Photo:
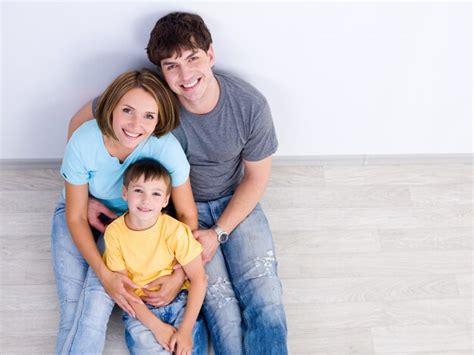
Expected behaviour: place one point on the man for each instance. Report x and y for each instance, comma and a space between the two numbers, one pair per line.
228, 136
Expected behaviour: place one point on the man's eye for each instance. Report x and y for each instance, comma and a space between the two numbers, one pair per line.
194, 58
170, 67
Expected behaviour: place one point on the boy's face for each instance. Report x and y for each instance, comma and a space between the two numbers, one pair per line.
145, 200
190, 75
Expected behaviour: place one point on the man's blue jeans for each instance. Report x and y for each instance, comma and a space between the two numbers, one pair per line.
244, 296
140, 339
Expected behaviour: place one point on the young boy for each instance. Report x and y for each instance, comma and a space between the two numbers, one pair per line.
145, 244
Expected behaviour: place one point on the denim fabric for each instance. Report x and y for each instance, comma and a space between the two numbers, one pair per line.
243, 280
140, 340
83, 315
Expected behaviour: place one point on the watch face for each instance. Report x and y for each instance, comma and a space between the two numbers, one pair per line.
223, 237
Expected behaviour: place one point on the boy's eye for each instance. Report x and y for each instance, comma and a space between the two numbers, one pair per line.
137, 190
156, 194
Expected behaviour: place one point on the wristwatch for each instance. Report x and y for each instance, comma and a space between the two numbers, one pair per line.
222, 235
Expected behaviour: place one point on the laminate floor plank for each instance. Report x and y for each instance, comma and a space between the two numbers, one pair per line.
423, 338
30, 180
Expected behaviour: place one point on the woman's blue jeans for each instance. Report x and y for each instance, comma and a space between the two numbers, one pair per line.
243, 306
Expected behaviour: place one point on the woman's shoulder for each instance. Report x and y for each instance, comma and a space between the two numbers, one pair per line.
88, 131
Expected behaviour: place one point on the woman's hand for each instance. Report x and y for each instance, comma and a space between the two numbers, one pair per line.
115, 284
170, 287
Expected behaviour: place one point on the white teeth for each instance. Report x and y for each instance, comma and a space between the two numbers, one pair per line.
130, 134
190, 85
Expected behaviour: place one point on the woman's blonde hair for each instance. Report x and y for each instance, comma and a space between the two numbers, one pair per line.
148, 80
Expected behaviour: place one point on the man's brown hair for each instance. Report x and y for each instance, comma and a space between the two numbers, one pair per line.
176, 32
168, 109
150, 169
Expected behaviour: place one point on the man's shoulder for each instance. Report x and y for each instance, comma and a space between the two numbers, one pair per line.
237, 86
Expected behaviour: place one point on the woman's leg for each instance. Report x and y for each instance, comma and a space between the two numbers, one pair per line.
84, 306
70, 270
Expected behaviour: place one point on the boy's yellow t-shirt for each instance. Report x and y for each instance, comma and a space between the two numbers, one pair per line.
151, 253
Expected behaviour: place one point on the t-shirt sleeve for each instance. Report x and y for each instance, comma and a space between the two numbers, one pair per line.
183, 245
262, 141
174, 160
113, 256
73, 169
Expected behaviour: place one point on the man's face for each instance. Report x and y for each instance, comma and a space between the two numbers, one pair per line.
190, 75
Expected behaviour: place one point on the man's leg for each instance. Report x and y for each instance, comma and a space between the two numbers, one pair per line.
221, 309
252, 266
70, 270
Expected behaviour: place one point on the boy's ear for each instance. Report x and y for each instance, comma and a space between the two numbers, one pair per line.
124, 193
166, 201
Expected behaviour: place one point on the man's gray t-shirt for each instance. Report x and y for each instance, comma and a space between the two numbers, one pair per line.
239, 128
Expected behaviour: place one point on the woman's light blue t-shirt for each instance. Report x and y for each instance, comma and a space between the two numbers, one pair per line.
87, 161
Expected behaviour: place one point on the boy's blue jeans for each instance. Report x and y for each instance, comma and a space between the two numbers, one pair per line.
140, 340
243, 304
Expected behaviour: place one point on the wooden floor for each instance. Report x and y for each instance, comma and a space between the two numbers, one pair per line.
373, 259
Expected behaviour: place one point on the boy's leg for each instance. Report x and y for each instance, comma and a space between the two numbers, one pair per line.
70, 270
221, 309
87, 335
140, 339
252, 265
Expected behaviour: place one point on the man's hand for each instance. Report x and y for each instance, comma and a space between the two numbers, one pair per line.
170, 287
115, 284
94, 210
209, 243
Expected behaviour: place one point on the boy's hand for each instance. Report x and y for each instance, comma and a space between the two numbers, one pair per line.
163, 334
182, 342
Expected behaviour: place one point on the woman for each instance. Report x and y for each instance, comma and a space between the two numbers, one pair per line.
134, 116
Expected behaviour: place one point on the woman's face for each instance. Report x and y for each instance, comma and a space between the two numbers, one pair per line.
134, 118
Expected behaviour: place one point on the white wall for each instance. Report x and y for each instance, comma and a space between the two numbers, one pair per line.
341, 78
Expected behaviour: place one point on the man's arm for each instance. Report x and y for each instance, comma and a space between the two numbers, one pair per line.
83, 115
244, 200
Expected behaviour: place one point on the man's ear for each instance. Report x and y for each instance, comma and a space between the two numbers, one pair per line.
211, 55
124, 193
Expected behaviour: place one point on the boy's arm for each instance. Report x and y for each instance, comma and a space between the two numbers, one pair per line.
160, 330
196, 293
83, 115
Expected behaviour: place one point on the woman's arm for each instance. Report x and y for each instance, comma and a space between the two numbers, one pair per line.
76, 216
183, 201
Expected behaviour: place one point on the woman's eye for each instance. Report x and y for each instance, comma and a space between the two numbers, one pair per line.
126, 110
150, 117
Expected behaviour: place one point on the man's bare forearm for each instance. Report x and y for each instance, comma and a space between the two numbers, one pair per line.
247, 195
